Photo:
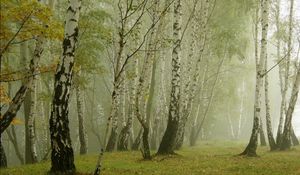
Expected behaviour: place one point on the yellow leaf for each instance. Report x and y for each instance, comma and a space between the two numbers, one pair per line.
17, 121
4, 99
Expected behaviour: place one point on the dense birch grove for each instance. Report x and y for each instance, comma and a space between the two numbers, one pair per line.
154, 76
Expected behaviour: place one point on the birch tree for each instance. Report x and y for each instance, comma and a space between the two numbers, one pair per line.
24, 17
62, 156
286, 137
120, 62
271, 139
285, 143
81, 123
282, 78
167, 144
250, 150
191, 84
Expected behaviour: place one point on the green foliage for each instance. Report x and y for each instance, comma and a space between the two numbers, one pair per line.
230, 31
95, 34
26, 19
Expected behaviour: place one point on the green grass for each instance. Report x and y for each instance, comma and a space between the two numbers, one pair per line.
206, 159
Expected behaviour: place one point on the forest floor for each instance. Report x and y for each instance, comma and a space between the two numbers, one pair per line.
210, 158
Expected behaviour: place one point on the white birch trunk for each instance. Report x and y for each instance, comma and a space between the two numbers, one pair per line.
252, 146
268, 114
81, 122
286, 136
62, 156
168, 141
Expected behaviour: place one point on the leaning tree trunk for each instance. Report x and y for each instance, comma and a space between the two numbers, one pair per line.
252, 145
3, 160
15, 105
137, 141
286, 136
81, 127
287, 73
283, 142
271, 139
190, 90
210, 100
13, 138
168, 141
16, 102
62, 156
295, 140
146, 145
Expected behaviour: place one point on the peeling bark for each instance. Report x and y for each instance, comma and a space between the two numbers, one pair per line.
167, 144
81, 123
271, 139
287, 132
252, 145
62, 156
39, 48
190, 87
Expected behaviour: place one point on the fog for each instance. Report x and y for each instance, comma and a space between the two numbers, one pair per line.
143, 79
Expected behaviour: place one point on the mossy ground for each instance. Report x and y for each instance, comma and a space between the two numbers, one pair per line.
211, 158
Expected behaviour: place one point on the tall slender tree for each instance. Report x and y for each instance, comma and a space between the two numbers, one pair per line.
252, 145
81, 123
286, 137
126, 11
282, 78
62, 156
200, 23
285, 142
271, 139
167, 144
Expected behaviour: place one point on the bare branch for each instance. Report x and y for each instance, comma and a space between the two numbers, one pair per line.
144, 39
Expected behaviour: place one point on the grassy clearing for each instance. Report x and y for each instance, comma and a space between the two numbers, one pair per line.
205, 159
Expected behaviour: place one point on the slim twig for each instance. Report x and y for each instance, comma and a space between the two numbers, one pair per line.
15, 35
262, 75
